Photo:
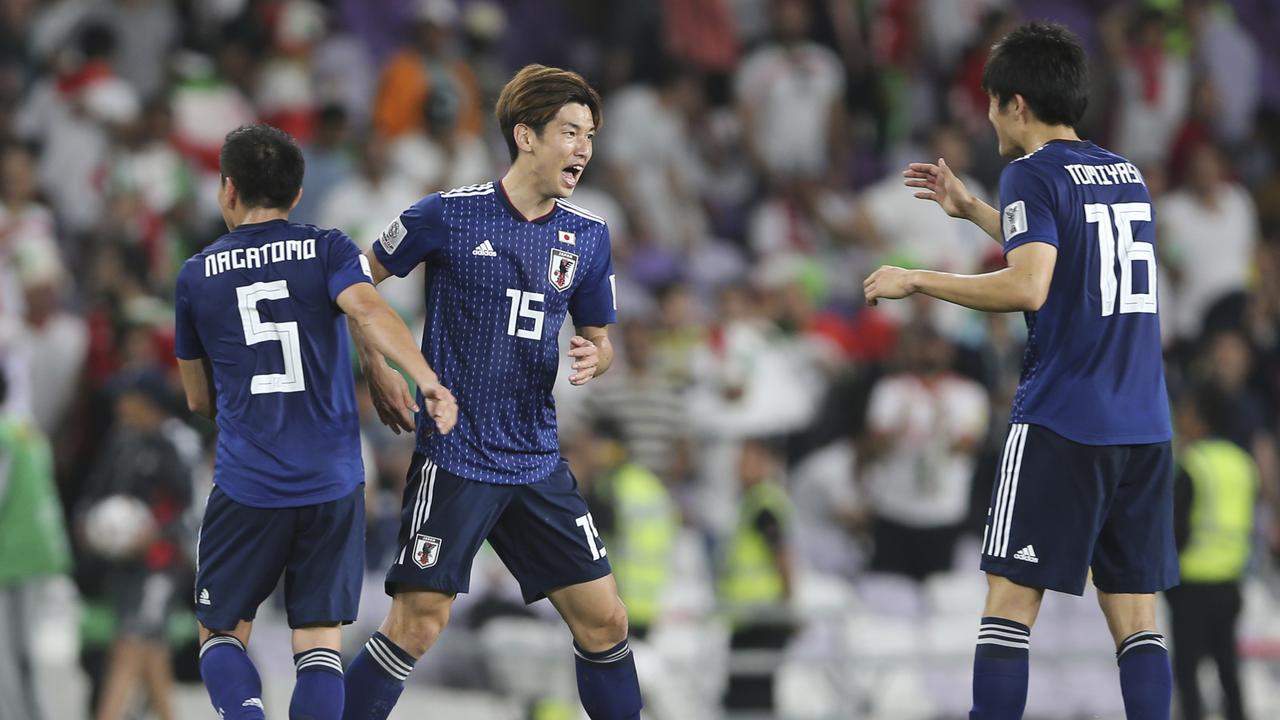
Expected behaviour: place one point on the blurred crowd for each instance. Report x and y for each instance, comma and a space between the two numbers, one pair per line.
748, 166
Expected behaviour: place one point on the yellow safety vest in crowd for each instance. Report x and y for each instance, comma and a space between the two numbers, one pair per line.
1224, 483
647, 526
750, 580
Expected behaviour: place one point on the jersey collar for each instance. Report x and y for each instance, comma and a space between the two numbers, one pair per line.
511, 209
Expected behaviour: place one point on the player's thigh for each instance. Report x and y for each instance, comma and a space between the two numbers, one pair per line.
443, 521
326, 564
547, 537
242, 551
1047, 505
1135, 552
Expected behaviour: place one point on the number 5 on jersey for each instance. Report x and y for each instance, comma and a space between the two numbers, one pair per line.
286, 333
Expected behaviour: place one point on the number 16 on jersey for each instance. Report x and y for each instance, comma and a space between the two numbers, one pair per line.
1121, 246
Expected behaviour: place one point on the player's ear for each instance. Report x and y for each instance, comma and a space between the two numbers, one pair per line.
524, 137
296, 199
229, 195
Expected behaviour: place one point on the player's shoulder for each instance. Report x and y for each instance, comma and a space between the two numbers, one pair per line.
580, 215
462, 193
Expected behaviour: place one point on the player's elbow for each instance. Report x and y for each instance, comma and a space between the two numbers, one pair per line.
1032, 294
200, 406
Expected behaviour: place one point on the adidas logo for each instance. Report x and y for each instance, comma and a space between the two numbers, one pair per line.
485, 249
253, 702
204, 597
1027, 554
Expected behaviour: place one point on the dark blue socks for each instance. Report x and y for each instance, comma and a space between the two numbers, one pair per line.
1146, 680
1000, 670
232, 680
318, 693
607, 683
375, 679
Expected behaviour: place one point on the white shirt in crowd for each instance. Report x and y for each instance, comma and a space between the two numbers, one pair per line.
791, 92
922, 479
1213, 246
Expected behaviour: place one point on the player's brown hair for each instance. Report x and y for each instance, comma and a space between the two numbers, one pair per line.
536, 94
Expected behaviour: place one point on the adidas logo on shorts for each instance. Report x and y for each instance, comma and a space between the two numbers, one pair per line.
204, 597
1027, 554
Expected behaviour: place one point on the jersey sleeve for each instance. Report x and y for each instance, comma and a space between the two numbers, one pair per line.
1026, 207
594, 303
413, 236
186, 340
346, 266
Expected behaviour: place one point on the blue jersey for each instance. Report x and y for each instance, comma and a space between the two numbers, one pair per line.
260, 304
1092, 371
498, 289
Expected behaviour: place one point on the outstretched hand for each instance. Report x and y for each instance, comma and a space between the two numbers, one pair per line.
887, 283
939, 184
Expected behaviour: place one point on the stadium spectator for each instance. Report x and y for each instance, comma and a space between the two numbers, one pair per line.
637, 521
757, 578
1153, 83
54, 340
142, 550
33, 548
431, 66
1214, 494
646, 407
924, 426
788, 96
1209, 234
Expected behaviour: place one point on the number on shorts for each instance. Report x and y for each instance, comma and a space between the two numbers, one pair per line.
588, 526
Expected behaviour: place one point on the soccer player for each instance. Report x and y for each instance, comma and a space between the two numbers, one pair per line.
506, 261
1086, 475
263, 351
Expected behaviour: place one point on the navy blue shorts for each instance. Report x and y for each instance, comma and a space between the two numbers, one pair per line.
1060, 508
243, 551
543, 532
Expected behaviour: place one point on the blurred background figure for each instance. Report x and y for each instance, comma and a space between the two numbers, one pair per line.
757, 579
34, 548
1214, 494
924, 425
134, 534
637, 520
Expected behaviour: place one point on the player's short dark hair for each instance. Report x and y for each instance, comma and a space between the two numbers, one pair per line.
4, 385
536, 94
1047, 66
266, 165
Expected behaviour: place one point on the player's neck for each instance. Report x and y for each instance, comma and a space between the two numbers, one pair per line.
521, 188
1038, 134
257, 215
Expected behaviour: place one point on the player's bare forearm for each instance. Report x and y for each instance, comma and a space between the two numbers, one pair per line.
197, 383
384, 333
1022, 286
1000, 291
986, 217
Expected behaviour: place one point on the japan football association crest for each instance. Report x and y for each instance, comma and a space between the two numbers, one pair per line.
563, 266
426, 550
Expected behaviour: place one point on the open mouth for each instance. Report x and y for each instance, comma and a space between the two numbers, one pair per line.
570, 175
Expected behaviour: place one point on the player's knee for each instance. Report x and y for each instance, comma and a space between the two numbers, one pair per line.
602, 630
414, 625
